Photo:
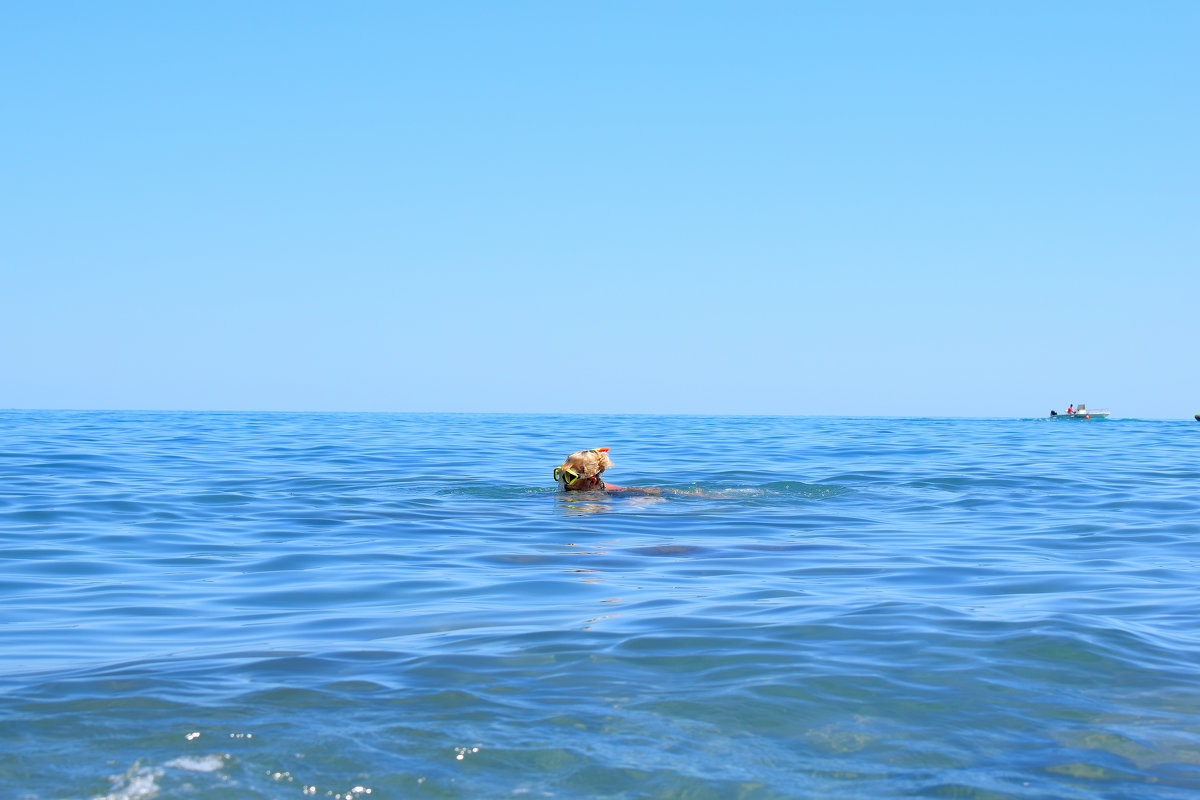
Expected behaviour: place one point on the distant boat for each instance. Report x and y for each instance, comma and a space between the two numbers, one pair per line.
1081, 412
1198, 418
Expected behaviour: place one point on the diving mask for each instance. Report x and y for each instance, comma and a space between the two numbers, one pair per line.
567, 476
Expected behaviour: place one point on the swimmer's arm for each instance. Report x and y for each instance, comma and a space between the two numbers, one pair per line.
655, 490
636, 489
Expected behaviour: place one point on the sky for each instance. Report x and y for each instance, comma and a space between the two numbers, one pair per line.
927, 208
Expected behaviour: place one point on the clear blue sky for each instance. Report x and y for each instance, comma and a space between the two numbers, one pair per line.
919, 208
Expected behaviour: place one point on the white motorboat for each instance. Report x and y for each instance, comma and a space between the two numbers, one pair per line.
1081, 412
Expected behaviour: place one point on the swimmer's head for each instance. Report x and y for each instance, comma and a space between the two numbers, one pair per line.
581, 471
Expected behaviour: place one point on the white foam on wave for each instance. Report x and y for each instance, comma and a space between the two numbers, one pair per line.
137, 783
142, 783
210, 763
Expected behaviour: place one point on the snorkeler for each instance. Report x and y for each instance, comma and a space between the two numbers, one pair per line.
581, 472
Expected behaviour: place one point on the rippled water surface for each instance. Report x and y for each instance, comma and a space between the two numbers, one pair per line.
204, 605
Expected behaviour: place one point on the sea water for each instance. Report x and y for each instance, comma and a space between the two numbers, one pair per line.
220, 605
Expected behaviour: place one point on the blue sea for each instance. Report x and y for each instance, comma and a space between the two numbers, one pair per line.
369, 606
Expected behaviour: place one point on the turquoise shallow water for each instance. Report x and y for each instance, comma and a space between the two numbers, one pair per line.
201, 605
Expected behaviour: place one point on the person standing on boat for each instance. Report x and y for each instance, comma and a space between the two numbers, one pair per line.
1070, 409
